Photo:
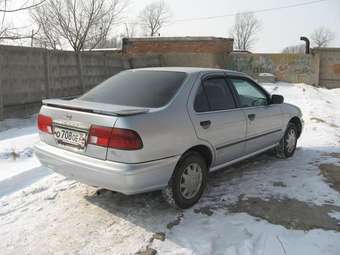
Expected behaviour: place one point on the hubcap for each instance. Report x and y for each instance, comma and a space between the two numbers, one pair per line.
291, 140
191, 181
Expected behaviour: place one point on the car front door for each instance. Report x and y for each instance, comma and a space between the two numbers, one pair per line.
217, 119
264, 120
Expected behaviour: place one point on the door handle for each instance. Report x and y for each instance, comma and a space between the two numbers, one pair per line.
252, 116
205, 124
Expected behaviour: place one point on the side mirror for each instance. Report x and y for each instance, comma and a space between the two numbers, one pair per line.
277, 99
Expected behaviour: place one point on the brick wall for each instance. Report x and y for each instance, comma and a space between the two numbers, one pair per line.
162, 45
181, 51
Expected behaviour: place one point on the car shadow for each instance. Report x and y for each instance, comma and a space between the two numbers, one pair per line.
22, 180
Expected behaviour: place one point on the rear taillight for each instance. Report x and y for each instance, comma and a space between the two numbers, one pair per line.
45, 123
125, 139
100, 136
115, 138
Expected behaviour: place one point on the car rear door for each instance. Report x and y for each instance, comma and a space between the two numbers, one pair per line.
216, 118
264, 120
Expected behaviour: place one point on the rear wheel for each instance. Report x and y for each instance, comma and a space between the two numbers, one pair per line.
188, 181
287, 146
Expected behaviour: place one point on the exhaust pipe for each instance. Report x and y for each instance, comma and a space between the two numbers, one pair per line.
306, 40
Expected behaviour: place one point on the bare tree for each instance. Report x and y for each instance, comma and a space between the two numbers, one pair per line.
154, 16
7, 30
130, 30
47, 36
80, 23
107, 43
25, 6
244, 30
322, 36
47, 39
4, 27
295, 49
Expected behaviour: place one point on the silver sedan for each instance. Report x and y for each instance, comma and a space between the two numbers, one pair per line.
164, 129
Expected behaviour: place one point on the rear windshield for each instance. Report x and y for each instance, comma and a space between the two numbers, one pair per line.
139, 88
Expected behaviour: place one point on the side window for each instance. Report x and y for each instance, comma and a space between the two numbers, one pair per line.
201, 101
219, 94
214, 95
250, 95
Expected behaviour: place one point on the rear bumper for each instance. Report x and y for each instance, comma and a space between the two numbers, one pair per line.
124, 178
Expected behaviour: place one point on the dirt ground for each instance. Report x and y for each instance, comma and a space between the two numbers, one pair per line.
290, 213
331, 171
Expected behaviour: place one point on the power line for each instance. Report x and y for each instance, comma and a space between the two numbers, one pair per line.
22, 8
233, 14
254, 11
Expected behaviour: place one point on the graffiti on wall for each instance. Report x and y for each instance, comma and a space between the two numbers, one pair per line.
286, 67
336, 68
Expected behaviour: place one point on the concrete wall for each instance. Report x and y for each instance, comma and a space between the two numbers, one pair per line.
22, 79
286, 67
28, 75
329, 67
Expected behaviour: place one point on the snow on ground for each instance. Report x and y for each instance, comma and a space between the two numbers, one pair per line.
335, 215
45, 213
243, 234
18, 166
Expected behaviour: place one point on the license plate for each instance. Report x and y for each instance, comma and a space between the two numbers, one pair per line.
66, 136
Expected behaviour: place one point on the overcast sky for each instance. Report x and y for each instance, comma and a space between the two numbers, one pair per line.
279, 28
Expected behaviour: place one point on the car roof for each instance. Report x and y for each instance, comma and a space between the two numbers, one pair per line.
192, 70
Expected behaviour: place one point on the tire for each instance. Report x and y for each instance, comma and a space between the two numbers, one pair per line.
287, 146
188, 181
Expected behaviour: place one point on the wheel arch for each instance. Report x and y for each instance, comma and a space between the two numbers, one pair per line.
205, 151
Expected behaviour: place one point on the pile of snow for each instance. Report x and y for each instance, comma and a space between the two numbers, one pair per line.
245, 235
18, 165
266, 77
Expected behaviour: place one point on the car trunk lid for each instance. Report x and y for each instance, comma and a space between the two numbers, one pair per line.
71, 121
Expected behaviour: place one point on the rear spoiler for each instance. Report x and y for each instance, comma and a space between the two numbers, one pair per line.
86, 106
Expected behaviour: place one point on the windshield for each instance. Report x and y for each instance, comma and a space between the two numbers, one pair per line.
141, 88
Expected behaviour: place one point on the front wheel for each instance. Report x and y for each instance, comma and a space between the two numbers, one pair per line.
287, 146
188, 181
